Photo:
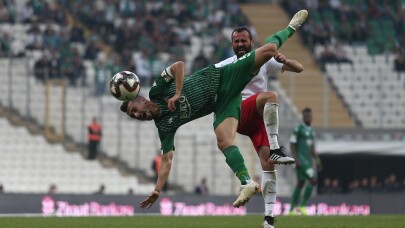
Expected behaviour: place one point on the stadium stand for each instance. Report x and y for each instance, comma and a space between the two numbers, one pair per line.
30, 164
126, 141
371, 87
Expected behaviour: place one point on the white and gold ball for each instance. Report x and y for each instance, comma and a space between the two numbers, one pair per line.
125, 86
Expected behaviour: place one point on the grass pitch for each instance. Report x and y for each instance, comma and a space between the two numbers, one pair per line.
384, 221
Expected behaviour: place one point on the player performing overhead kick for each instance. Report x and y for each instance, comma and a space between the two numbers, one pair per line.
176, 101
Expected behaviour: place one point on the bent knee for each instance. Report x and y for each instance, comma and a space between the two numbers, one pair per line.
271, 96
224, 143
267, 97
269, 49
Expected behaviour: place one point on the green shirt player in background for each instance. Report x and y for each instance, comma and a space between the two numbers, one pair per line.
176, 100
302, 143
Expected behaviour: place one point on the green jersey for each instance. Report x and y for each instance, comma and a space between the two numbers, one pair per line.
196, 100
303, 137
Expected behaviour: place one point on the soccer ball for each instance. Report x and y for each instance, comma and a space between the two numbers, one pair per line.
125, 86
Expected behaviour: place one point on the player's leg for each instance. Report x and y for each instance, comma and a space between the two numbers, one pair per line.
251, 124
225, 124
267, 106
296, 196
274, 42
311, 183
301, 177
268, 186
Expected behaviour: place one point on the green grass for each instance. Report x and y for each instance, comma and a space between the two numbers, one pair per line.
387, 221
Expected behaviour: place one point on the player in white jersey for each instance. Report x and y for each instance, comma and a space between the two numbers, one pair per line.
259, 118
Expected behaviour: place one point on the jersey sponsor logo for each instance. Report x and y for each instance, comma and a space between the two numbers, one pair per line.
185, 109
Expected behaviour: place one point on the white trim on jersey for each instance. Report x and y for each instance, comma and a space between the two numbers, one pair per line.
226, 61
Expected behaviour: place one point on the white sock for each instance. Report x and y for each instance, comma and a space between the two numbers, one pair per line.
269, 191
270, 119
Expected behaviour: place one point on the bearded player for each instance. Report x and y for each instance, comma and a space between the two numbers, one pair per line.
259, 118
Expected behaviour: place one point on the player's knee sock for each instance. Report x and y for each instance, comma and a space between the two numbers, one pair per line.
269, 191
295, 198
270, 118
234, 159
307, 194
280, 37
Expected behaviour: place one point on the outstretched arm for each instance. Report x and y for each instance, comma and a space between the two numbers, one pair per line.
177, 71
288, 64
163, 174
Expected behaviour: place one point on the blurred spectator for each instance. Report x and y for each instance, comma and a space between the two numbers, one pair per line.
101, 190
5, 44
34, 38
148, 65
27, 13
359, 34
328, 56
341, 55
51, 39
1, 188
335, 187
52, 189
326, 187
391, 184
320, 35
127, 60
130, 191
202, 188
76, 33
41, 68
127, 8
101, 76
337, 55
7, 11
199, 62
222, 48
345, 29
399, 63
354, 186
56, 13
54, 60
364, 185
94, 136
375, 186
78, 72
115, 65
91, 50
122, 36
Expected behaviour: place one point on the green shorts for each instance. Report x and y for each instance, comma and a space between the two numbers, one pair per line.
305, 172
234, 78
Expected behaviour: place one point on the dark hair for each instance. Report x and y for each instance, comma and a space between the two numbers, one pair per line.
306, 110
124, 106
241, 29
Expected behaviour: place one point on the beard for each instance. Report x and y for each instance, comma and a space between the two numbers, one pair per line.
154, 109
242, 51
